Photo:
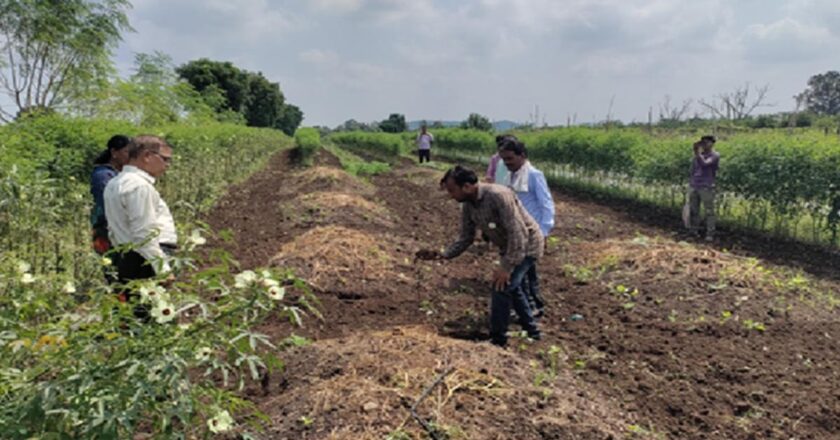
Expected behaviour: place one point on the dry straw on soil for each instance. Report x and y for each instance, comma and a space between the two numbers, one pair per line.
362, 386
325, 179
707, 269
328, 256
335, 207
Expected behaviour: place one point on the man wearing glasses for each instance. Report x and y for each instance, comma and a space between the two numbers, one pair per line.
139, 222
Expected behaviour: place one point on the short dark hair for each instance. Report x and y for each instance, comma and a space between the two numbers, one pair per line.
116, 143
500, 139
145, 142
708, 138
515, 146
460, 175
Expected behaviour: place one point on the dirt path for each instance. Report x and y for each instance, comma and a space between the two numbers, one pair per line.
676, 340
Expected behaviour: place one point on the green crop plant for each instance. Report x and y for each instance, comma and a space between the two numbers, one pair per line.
307, 142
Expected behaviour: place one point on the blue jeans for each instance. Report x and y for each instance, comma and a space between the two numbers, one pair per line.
531, 285
513, 296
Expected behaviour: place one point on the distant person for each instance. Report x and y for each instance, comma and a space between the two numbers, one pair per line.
424, 144
531, 188
497, 212
106, 166
704, 168
137, 216
496, 173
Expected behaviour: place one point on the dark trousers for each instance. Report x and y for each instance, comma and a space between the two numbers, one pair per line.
513, 296
427, 154
132, 266
532, 290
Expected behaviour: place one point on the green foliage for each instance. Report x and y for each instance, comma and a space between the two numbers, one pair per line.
231, 91
265, 101
307, 142
289, 120
823, 93
771, 174
55, 49
75, 363
477, 122
225, 83
357, 166
381, 144
394, 124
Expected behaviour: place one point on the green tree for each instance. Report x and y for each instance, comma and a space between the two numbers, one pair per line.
55, 49
224, 86
477, 122
290, 118
823, 93
394, 124
264, 103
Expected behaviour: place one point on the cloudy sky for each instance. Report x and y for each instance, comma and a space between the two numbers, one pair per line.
443, 59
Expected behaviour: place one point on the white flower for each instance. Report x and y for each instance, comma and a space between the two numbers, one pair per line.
153, 294
23, 267
163, 312
276, 293
244, 279
268, 282
491, 225
203, 354
27, 278
221, 422
196, 238
69, 288
106, 261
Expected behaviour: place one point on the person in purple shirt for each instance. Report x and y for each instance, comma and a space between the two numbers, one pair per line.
531, 189
704, 168
106, 166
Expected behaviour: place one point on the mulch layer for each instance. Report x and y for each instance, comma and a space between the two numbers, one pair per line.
646, 335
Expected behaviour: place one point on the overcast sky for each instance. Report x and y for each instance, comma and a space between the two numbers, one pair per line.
443, 59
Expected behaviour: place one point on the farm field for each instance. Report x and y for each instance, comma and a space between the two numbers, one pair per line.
671, 339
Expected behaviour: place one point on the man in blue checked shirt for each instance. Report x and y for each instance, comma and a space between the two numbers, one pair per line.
531, 188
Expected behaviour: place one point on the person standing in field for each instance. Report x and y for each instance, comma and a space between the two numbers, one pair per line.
531, 188
106, 167
424, 144
495, 173
704, 168
139, 221
497, 212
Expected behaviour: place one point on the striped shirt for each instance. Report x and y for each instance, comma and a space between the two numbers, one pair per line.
499, 214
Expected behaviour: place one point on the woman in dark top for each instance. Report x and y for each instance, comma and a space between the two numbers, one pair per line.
107, 165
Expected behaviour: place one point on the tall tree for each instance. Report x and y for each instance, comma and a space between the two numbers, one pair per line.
224, 85
51, 49
290, 118
477, 122
823, 93
394, 124
265, 101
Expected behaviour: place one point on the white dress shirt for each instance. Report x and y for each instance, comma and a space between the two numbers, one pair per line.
136, 214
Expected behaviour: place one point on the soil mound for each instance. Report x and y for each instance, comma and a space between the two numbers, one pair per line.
327, 257
363, 386
321, 178
325, 207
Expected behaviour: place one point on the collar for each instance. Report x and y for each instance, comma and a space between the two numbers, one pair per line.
134, 170
482, 189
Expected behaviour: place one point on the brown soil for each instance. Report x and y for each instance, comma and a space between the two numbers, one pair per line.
677, 340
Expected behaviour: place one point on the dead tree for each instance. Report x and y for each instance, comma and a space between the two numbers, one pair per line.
737, 104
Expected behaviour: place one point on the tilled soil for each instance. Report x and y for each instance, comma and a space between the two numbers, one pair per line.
669, 339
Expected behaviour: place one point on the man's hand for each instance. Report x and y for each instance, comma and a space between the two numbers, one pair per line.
501, 279
428, 254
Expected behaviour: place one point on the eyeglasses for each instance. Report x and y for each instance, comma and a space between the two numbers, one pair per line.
166, 159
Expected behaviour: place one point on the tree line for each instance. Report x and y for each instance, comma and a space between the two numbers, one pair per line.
55, 56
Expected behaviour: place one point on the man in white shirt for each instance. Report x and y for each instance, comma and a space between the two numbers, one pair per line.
424, 144
138, 219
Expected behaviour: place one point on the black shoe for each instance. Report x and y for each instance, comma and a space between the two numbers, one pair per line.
537, 336
540, 313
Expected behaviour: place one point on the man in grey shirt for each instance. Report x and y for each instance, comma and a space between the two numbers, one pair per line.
496, 211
